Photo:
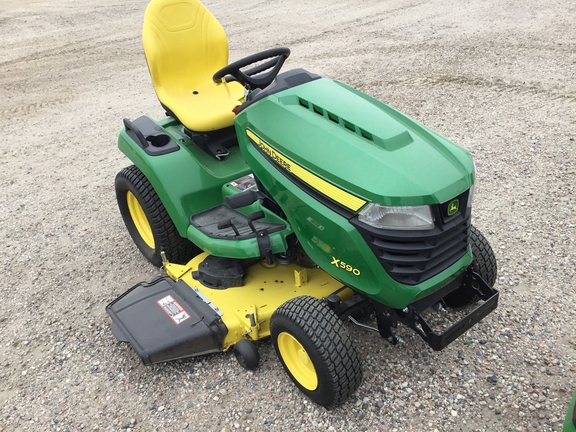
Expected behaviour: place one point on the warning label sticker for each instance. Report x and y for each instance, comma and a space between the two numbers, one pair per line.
173, 309
245, 183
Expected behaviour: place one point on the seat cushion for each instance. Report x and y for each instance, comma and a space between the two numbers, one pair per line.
205, 107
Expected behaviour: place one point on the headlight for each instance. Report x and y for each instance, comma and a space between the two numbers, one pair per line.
397, 218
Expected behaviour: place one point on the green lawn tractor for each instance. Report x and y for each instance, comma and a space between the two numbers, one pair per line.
282, 205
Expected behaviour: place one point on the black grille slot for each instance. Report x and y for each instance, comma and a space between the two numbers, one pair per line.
411, 257
334, 118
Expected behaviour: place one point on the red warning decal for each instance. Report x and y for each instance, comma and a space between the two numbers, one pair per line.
173, 309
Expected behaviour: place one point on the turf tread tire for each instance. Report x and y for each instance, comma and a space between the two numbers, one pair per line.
178, 250
483, 262
325, 339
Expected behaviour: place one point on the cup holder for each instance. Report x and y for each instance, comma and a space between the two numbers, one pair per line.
158, 140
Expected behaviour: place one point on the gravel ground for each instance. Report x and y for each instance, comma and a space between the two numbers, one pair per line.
498, 77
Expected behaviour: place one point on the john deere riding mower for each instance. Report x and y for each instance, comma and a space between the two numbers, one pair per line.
282, 205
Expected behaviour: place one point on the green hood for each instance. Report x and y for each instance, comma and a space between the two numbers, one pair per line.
361, 145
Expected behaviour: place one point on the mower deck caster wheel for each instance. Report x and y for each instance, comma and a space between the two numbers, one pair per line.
246, 353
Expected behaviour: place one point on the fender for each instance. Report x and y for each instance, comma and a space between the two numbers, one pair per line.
188, 180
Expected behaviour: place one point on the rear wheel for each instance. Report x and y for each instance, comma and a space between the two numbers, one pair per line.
147, 220
483, 262
316, 351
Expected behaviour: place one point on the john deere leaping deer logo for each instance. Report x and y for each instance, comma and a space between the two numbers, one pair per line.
453, 207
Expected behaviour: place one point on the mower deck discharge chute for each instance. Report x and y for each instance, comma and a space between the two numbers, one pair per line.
280, 205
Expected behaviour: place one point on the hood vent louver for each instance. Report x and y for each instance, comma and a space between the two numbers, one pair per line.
335, 119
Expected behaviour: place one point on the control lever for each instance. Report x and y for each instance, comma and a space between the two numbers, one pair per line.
252, 217
241, 199
227, 224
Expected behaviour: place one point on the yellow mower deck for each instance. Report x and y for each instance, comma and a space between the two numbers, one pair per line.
246, 310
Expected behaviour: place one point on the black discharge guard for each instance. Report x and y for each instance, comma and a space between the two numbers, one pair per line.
165, 320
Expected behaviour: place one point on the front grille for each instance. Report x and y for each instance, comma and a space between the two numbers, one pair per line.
411, 257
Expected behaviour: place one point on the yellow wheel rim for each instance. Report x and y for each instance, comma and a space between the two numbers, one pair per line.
140, 220
297, 361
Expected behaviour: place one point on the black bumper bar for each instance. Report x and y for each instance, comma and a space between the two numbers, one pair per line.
411, 316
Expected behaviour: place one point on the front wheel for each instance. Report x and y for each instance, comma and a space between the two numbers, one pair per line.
315, 350
148, 222
483, 263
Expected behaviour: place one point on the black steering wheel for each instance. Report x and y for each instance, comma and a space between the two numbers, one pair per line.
248, 78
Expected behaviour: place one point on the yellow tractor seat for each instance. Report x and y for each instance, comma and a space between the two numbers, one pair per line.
184, 46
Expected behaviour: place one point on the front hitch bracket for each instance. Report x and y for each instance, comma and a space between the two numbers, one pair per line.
388, 318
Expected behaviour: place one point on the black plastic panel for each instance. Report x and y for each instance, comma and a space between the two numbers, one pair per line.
283, 81
150, 137
219, 272
411, 257
210, 222
166, 320
215, 143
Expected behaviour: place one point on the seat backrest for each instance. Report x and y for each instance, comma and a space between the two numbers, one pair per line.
184, 45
